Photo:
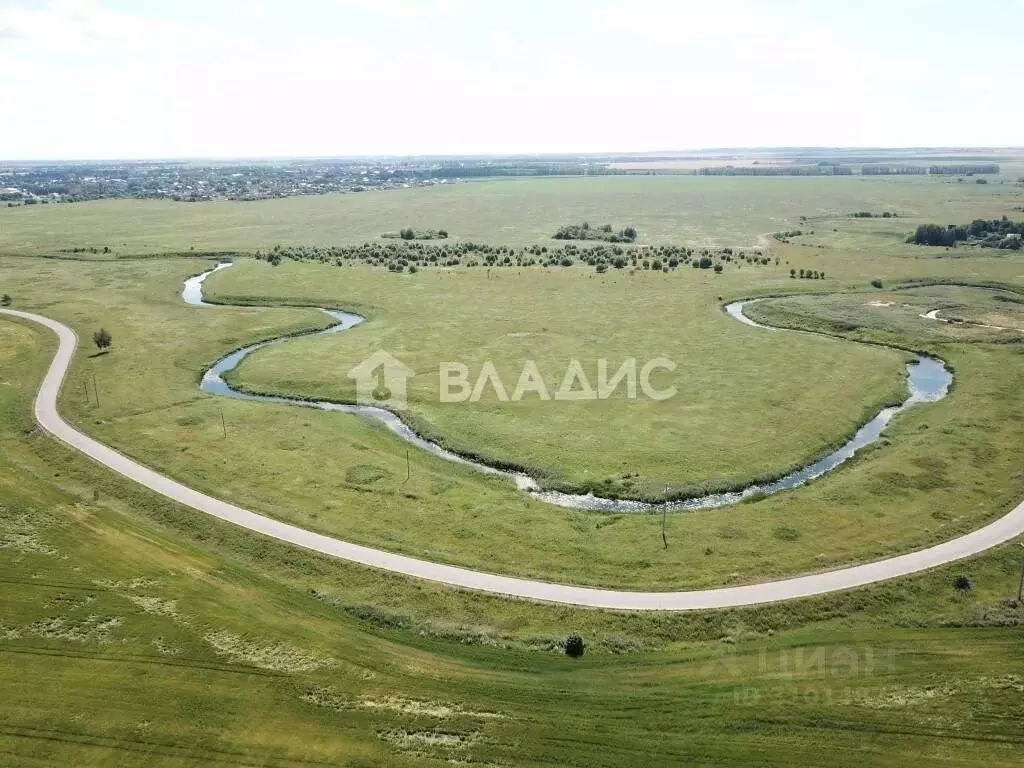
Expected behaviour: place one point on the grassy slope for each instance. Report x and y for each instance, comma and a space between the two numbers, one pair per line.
201, 643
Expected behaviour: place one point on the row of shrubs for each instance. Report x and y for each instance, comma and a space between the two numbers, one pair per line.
413, 256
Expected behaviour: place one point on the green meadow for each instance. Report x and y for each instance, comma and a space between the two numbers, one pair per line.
722, 211
731, 382
138, 632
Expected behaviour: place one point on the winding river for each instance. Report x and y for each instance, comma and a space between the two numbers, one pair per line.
928, 380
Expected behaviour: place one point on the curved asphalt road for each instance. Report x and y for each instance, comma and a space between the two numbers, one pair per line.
1003, 529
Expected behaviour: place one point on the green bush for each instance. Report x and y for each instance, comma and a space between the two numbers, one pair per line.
574, 645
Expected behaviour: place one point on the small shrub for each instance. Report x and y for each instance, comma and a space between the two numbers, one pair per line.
877, 284
962, 583
574, 645
786, 533
102, 339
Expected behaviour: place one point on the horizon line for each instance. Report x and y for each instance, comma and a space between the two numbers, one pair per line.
679, 153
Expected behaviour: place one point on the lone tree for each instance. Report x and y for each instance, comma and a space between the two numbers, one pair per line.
6, 300
102, 339
574, 645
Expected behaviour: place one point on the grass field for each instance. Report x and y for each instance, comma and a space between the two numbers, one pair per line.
340, 475
136, 632
694, 211
197, 643
728, 378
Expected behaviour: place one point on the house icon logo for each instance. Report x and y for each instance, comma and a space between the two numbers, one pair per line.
381, 381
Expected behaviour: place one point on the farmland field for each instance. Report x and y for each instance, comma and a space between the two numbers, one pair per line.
136, 631
694, 211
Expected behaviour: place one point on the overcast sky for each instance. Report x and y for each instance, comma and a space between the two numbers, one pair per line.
247, 78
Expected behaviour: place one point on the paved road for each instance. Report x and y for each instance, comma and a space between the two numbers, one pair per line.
1003, 529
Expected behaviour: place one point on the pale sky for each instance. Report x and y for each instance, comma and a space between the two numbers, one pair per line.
254, 78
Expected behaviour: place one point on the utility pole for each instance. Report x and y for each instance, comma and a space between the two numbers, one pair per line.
664, 521
408, 467
223, 424
96, 389
1020, 590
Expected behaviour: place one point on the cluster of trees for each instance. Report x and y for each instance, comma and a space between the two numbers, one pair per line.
418, 234
806, 274
988, 233
604, 232
870, 215
411, 256
666, 258
783, 237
